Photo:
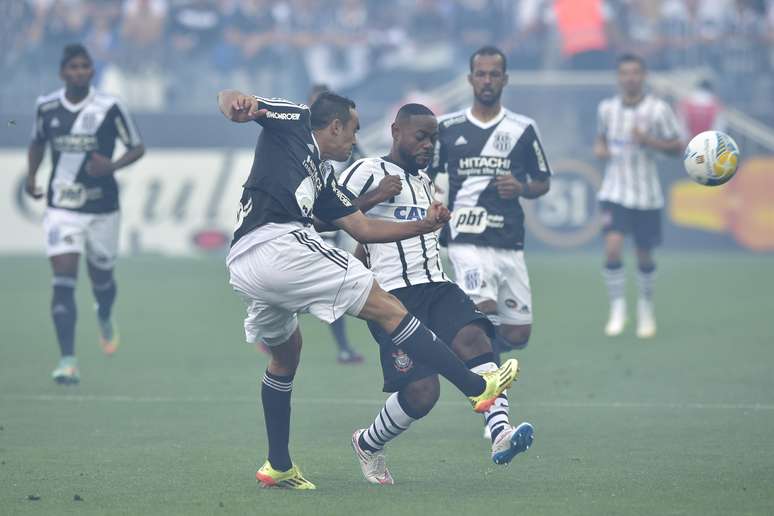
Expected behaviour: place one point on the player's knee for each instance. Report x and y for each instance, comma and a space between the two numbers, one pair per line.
420, 396
99, 276
471, 341
63, 298
517, 336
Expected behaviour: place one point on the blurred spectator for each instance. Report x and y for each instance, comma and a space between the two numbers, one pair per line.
582, 26
701, 110
142, 29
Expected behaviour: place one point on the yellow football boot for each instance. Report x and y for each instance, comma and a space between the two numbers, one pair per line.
290, 479
496, 382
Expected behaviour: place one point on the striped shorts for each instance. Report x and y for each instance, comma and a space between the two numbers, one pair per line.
296, 273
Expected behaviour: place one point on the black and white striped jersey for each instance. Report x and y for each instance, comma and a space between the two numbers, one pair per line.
74, 132
631, 173
409, 262
288, 182
474, 154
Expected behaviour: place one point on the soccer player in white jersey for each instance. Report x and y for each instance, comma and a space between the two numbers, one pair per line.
281, 266
411, 270
81, 126
493, 157
633, 129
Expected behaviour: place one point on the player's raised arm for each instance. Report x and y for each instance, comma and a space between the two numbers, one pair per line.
238, 107
366, 230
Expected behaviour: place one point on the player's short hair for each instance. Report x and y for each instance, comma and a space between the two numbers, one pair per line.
408, 110
489, 50
631, 58
71, 51
329, 107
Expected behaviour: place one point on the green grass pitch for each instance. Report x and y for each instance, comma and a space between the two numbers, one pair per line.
681, 424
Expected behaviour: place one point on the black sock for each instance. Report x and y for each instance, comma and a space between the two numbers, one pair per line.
63, 312
105, 294
422, 345
275, 396
339, 330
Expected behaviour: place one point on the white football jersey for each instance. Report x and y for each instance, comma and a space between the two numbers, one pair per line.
409, 262
631, 173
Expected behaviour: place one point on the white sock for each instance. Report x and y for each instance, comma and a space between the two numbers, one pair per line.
391, 421
496, 418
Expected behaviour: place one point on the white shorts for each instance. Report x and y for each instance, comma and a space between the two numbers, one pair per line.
500, 275
296, 273
92, 234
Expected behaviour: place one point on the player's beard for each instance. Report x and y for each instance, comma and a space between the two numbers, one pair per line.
492, 100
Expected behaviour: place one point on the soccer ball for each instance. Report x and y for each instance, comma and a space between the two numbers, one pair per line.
711, 158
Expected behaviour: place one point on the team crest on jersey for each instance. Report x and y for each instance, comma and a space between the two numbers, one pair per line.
502, 142
402, 361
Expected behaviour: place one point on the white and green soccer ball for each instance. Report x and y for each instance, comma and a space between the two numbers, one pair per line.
711, 158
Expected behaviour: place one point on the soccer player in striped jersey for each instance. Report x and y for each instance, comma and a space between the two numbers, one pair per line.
281, 266
411, 270
494, 158
633, 129
81, 126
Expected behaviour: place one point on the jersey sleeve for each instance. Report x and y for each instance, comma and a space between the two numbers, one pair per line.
532, 155
358, 178
333, 202
125, 128
283, 115
38, 129
667, 125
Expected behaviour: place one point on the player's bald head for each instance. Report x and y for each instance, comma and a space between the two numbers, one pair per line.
408, 110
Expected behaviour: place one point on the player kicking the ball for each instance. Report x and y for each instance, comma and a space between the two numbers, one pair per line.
411, 271
281, 266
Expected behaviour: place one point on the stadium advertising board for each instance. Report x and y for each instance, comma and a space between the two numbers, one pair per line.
184, 202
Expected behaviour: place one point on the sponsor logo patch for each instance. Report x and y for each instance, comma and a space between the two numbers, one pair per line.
283, 116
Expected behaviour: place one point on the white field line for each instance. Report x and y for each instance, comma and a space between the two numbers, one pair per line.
89, 398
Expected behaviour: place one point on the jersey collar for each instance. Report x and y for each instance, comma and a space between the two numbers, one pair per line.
485, 125
76, 107
316, 147
388, 160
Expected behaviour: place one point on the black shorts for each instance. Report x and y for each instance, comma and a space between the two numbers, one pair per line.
445, 309
644, 225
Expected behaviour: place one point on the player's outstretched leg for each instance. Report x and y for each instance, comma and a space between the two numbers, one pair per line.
64, 314
472, 344
402, 408
424, 346
276, 388
103, 286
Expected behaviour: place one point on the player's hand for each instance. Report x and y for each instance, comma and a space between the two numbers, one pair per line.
99, 165
641, 137
32, 189
389, 186
437, 215
601, 151
508, 187
245, 108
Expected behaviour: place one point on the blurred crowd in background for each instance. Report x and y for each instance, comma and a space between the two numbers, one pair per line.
171, 55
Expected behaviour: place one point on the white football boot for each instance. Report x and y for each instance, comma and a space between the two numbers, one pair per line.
512, 441
646, 320
617, 320
372, 464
